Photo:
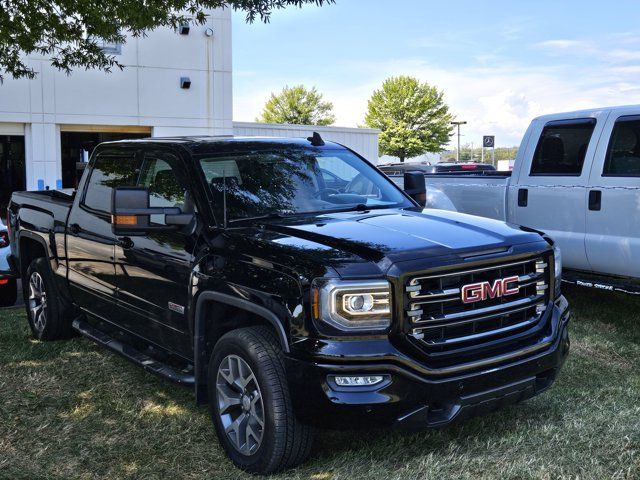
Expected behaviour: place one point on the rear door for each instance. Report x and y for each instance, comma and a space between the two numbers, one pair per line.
551, 191
90, 241
613, 206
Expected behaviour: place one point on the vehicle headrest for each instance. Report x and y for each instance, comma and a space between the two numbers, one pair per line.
552, 149
166, 181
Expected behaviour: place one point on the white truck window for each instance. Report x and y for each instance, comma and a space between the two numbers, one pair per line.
623, 154
562, 147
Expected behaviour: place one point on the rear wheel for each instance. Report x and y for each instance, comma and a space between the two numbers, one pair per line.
45, 309
8, 292
250, 404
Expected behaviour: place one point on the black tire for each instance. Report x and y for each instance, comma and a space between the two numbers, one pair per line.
9, 293
285, 441
54, 325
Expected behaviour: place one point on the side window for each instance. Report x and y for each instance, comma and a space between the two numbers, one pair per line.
562, 147
623, 154
110, 170
165, 189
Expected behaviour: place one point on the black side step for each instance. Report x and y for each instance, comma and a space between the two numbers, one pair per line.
599, 282
149, 364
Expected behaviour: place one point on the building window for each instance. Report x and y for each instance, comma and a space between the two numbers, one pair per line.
110, 48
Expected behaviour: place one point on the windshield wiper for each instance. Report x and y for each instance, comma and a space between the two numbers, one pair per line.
266, 216
361, 207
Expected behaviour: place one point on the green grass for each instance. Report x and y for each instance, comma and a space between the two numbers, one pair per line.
73, 410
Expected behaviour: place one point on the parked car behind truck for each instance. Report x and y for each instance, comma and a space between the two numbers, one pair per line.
577, 178
8, 283
229, 266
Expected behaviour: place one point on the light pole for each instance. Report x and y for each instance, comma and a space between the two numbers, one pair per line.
457, 124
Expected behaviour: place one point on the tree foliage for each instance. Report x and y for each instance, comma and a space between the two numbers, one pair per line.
71, 33
299, 106
412, 116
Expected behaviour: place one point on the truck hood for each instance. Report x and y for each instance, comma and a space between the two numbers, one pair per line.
384, 237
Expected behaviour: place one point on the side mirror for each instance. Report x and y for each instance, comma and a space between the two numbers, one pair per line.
415, 187
131, 213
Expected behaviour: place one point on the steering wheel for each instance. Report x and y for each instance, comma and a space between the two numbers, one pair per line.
326, 191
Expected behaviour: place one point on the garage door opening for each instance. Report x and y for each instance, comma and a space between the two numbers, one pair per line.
12, 169
77, 148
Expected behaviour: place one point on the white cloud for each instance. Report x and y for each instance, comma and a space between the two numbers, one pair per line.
564, 44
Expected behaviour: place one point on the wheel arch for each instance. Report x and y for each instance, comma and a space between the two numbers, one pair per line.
202, 336
30, 247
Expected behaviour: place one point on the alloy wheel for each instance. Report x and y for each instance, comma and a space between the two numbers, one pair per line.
37, 302
240, 404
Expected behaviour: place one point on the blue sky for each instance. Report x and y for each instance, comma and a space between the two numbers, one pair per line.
500, 63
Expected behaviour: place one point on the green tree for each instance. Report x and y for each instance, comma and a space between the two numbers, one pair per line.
299, 106
412, 116
70, 33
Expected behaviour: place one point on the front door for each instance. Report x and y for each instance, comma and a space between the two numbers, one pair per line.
613, 206
550, 193
90, 241
153, 271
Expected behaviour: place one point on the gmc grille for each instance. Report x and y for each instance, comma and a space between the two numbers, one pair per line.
449, 330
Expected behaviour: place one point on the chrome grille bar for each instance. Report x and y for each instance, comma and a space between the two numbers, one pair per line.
523, 281
480, 335
485, 311
511, 311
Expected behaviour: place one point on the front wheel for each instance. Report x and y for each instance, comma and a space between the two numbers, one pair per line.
45, 308
250, 404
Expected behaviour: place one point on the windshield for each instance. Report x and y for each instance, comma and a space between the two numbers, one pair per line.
294, 180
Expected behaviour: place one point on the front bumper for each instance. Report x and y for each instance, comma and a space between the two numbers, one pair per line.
414, 398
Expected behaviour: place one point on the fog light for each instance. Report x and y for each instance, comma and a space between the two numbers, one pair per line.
359, 381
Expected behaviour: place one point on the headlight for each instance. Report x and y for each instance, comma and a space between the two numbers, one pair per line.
352, 305
557, 260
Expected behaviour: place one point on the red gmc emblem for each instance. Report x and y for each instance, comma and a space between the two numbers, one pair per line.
476, 292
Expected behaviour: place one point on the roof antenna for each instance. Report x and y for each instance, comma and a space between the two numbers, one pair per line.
316, 140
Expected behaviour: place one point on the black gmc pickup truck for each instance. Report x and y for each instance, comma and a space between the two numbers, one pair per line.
230, 266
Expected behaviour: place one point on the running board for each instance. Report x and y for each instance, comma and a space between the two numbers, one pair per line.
147, 363
610, 284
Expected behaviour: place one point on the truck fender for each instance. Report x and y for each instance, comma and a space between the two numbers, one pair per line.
38, 238
436, 198
199, 342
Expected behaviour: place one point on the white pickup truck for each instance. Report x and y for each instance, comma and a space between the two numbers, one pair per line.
576, 178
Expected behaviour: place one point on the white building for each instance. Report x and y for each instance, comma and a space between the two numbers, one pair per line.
51, 122
50, 125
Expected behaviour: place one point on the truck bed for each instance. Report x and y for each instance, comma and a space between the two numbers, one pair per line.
484, 195
44, 211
